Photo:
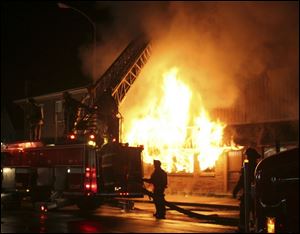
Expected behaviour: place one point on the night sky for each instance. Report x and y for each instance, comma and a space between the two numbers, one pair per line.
40, 45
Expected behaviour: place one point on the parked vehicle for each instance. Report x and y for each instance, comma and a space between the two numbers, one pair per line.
277, 193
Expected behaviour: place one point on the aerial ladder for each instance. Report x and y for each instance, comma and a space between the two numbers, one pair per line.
125, 69
117, 80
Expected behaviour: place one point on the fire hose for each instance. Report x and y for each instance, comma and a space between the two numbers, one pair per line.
213, 218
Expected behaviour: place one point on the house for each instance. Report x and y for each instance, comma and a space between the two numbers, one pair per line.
52, 105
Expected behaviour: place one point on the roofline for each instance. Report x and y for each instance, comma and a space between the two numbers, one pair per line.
265, 122
57, 95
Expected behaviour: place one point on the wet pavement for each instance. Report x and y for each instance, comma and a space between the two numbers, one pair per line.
69, 219
222, 201
105, 220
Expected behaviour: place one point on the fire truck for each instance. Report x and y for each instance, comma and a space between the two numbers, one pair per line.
89, 166
277, 193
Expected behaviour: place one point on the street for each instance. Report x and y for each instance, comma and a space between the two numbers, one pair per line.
106, 219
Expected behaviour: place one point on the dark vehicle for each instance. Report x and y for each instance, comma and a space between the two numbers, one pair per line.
277, 193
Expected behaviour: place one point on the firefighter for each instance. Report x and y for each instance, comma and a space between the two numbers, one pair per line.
108, 109
71, 106
35, 118
159, 180
252, 156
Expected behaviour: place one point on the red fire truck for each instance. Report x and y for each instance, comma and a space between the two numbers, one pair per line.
81, 168
82, 173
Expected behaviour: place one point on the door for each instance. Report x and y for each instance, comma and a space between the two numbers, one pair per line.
235, 163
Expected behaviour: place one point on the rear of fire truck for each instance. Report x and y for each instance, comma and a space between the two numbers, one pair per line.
277, 193
81, 173
111, 171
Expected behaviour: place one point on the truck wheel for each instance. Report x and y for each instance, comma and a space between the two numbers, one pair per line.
88, 204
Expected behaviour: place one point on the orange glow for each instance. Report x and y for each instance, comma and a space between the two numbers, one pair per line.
94, 187
92, 136
175, 133
72, 136
22, 145
271, 225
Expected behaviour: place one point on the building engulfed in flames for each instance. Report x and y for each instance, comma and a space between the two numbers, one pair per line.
172, 132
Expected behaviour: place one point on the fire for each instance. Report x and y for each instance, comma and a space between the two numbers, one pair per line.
208, 138
170, 132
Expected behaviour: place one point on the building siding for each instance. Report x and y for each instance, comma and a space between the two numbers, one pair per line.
53, 127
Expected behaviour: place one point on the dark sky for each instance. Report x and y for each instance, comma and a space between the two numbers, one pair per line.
40, 46
40, 49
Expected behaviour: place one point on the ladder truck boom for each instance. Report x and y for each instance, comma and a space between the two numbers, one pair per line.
107, 93
125, 69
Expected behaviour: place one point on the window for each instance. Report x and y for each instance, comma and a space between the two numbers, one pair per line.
59, 117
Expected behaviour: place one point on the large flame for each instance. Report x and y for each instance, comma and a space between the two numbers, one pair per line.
166, 135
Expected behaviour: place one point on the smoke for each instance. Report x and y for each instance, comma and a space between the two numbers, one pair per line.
223, 50
128, 19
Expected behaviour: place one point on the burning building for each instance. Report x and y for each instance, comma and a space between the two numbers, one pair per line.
191, 145
188, 143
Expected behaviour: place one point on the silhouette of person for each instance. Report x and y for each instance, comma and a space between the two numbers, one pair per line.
35, 118
85, 110
159, 180
108, 109
71, 106
252, 156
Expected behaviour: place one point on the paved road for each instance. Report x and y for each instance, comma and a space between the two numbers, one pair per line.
105, 219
